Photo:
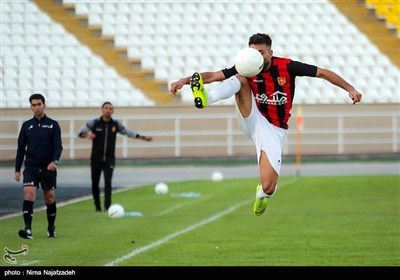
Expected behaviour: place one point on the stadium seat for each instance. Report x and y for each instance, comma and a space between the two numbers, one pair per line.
82, 98
10, 84
11, 99
53, 99
55, 73
19, 40
83, 9
122, 8
109, 85
108, 8
39, 74
82, 84
24, 60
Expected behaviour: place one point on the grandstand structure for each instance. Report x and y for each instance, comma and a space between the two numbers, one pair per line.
82, 53
386, 11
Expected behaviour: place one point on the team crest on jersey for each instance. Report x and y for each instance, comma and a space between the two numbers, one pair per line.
281, 81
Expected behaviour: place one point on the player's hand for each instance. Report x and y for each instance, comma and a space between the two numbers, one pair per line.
147, 138
175, 86
52, 166
90, 135
17, 176
355, 96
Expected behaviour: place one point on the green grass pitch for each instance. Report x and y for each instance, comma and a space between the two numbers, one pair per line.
311, 221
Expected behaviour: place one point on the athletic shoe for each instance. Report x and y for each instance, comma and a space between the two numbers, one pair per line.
51, 233
260, 204
199, 93
25, 233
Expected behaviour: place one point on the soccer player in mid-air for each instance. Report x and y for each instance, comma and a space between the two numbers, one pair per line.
263, 103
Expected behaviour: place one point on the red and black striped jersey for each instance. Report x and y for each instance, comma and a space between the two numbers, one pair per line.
274, 88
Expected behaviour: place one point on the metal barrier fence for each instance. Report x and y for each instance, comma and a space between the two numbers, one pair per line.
328, 130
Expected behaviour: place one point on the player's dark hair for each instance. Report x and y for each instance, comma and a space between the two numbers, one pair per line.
106, 103
37, 96
260, 38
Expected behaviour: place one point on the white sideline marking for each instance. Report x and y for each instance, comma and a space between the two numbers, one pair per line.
190, 228
63, 203
173, 208
175, 234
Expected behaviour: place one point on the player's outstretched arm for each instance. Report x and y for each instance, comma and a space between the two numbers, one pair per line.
335, 79
177, 85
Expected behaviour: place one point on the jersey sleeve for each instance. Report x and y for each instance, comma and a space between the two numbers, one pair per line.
86, 128
57, 143
302, 69
125, 131
22, 142
229, 72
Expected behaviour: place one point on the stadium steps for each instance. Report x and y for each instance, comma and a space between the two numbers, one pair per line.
367, 23
104, 47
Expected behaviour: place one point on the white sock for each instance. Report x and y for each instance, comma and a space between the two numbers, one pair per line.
224, 90
261, 194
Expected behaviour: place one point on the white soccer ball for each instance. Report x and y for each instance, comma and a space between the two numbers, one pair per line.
161, 188
249, 62
116, 211
217, 176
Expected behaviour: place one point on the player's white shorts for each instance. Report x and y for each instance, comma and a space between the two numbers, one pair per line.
266, 136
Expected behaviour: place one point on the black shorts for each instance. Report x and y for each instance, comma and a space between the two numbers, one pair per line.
46, 178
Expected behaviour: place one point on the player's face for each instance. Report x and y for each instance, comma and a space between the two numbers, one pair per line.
37, 107
108, 110
266, 53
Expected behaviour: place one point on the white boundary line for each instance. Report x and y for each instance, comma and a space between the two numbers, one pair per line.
173, 208
61, 204
188, 229
175, 234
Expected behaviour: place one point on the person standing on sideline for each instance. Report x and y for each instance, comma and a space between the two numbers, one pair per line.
39, 142
103, 133
263, 105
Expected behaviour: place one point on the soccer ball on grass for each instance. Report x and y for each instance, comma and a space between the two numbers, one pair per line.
161, 188
116, 211
249, 62
217, 176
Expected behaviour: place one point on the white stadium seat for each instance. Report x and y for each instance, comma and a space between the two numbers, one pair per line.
10, 84
65, 72
82, 9
94, 8
82, 84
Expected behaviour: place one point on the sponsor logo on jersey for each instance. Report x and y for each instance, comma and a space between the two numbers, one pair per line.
277, 98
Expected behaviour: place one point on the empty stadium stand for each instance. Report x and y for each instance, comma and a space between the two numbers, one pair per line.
40, 53
387, 11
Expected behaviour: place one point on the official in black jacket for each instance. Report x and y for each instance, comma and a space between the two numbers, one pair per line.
39, 143
103, 133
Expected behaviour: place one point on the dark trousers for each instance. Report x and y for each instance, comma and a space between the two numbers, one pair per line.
96, 168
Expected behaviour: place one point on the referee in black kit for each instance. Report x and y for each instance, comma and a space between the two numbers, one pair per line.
40, 144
